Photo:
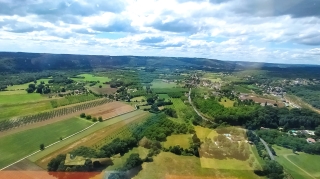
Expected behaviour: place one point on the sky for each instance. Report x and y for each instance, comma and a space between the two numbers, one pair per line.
277, 31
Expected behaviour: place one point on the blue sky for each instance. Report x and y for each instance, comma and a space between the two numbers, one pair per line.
254, 30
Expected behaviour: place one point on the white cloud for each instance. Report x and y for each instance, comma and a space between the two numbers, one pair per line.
267, 31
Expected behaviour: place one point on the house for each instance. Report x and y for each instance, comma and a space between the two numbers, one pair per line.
311, 140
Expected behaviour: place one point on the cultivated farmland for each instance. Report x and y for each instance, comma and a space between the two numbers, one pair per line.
26, 142
183, 140
91, 137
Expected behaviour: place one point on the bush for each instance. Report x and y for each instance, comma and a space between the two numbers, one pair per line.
88, 117
94, 119
100, 119
41, 146
82, 115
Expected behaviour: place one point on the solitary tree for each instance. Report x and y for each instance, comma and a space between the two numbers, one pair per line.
41, 146
100, 86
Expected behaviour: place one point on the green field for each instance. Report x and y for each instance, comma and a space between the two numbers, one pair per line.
163, 96
16, 146
183, 140
139, 99
26, 85
8, 111
166, 164
241, 89
203, 133
299, 165
20, 98
13, 92
90, 77
158, 83
226, 102
84, 134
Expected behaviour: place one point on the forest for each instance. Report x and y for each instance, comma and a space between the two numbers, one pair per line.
310, 94
254, 116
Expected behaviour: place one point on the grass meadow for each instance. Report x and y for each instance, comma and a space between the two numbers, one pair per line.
169, 165
12, 110
300, 165
183, 140
226, 102
20, 98
161, 84
16, 146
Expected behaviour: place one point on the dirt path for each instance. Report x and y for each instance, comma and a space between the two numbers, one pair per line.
107, 106
286, 157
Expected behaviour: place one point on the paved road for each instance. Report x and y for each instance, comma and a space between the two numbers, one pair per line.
266, 146
204, 118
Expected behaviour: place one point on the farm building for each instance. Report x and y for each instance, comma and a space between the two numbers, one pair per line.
311, 140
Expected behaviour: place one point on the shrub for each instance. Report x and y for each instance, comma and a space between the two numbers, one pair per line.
88, 117
82, 115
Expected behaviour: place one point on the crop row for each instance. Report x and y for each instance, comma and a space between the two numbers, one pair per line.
25, 120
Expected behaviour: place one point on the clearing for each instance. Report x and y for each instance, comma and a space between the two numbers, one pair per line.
164, 96
226, 102
183, 140
241, 89
300, 165
89, 137
90, 77
26, 85
159, 83
203, 133
167, 165
16, 146
139, 99
105, 89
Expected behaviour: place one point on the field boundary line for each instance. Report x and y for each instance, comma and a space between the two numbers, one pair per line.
66, 138
49, 145
286, 157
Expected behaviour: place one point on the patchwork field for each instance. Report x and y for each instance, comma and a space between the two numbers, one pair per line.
183, 140
13, 147
110, 110
106, 110
89, 137
299, 165
226, 102
166, 165
158, 83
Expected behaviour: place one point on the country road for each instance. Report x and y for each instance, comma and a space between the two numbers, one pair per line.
189, 97
266, 146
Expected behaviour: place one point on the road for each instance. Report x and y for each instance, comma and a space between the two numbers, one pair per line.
266, 146
204, 118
